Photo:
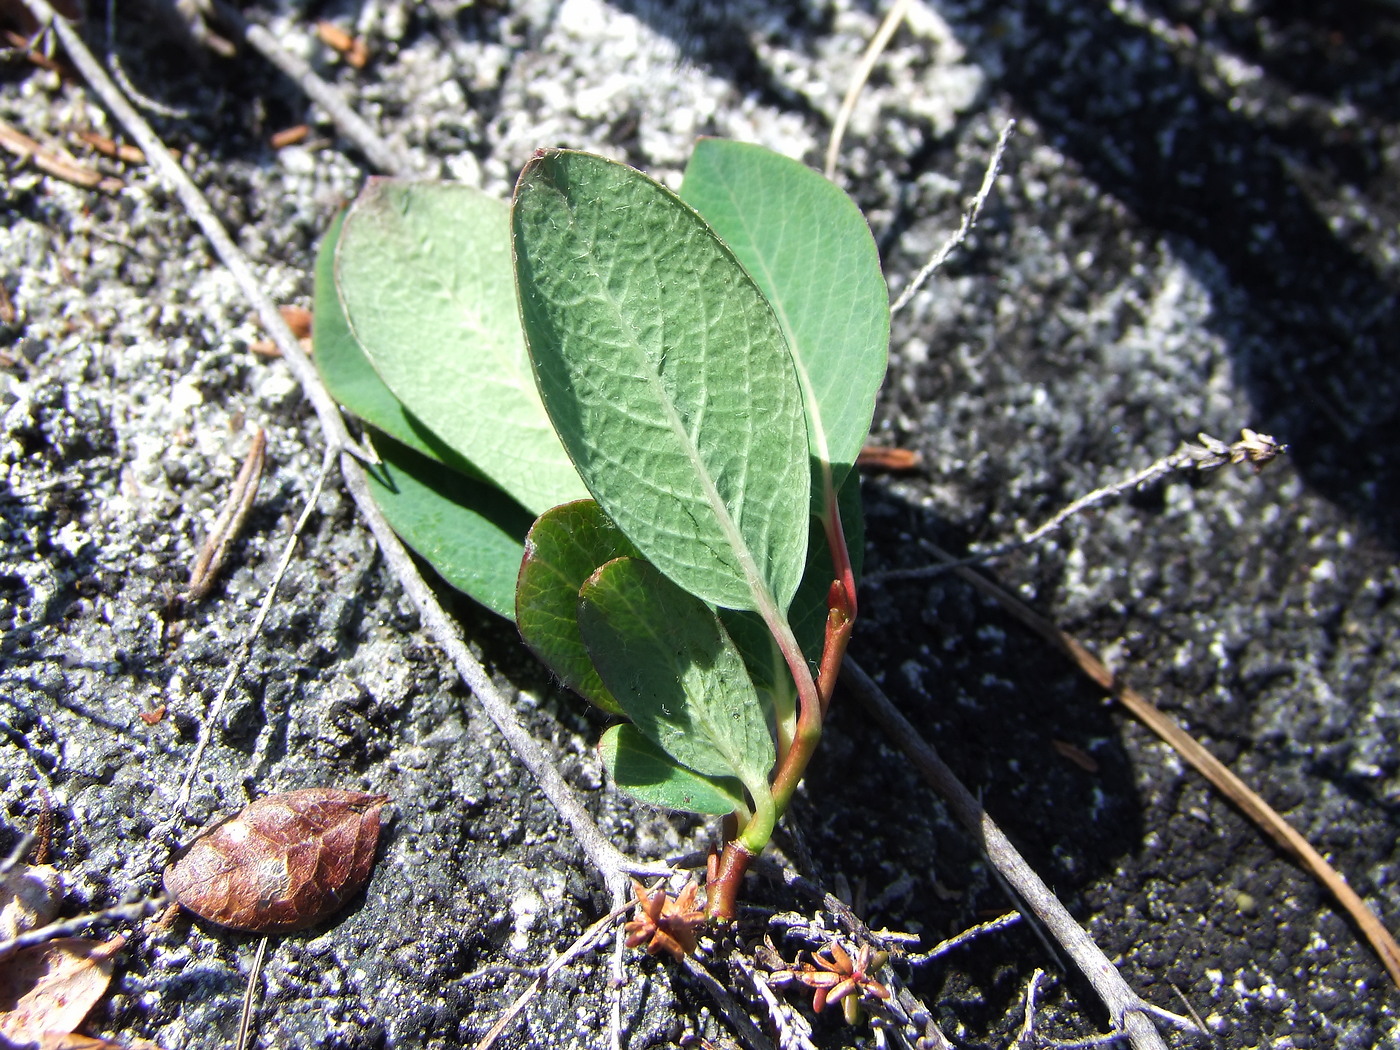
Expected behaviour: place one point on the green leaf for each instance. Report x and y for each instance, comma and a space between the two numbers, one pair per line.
347, 372
564, 547
667, 377
675, 671
807, 246
423, 273
468, 530
641, 769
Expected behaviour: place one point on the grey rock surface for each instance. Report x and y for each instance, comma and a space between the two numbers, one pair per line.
1197, 228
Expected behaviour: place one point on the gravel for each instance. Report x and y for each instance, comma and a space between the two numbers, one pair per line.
1197, 229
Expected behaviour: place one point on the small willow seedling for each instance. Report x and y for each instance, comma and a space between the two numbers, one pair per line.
627, 419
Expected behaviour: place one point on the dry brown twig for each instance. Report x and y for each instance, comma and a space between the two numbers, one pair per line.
54, 162
229, 524
353, 126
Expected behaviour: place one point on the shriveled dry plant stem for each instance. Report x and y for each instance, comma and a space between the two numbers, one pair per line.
230, 521
1127, 1010
606, 859
969, 219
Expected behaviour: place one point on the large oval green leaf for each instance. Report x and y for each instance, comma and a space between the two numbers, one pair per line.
423, 272
807, 246
667, 377
564, 547
664, 656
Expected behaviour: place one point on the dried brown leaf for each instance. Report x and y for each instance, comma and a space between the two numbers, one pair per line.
284, 862
52, 986
1077, 755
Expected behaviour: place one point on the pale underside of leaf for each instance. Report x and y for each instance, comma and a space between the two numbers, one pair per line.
565, 546
424, 276
675, 671
641, 769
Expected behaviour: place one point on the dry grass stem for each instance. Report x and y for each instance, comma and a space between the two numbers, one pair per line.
245, 646
229, 524
969, 220
250, 998
881, 40
585, 942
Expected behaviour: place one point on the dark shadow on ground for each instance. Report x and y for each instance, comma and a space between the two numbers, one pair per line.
1281, 180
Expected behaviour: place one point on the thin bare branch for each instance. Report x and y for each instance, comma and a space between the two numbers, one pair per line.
17, 854
969, 220
1001, 922
1235, 789
735, 1014
353, 126
1253, 448
128, 912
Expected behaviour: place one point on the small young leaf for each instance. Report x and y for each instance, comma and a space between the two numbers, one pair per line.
564, 547
806, 244
667, 377
642, 770
468, 530
282, 863
424, 277
665, 657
